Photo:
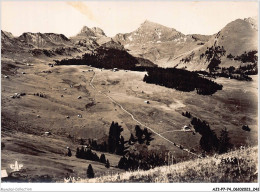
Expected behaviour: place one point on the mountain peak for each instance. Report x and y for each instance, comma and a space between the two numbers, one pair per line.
95, 32
7, 34
253, 22
149, 32
84, 28
240, 24
147, 22
151, 24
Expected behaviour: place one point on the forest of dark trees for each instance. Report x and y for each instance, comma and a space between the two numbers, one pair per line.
241, 73
213, 52
213, 55
144, 161
246, 57
181, 80
134, 151
138, 156
86, 153
186, 114
109, 58
143, 136
209, 141
115, 142
104, 58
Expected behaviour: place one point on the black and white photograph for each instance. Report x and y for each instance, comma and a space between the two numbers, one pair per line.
130, 92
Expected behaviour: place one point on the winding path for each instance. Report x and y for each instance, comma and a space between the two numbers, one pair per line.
140, 123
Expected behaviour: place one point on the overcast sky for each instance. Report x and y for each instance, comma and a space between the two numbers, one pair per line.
120, 17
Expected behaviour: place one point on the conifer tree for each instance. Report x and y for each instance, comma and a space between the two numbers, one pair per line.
78, 153
107, 164
103, 158
121, 146
114, 137
139, 134
147, 135
224, 141
69, 152
122, 164
90, 172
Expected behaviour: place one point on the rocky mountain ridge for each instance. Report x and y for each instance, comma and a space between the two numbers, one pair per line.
159, 44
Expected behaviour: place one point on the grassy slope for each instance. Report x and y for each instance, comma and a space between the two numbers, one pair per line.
210, 169
236, 37
22, 131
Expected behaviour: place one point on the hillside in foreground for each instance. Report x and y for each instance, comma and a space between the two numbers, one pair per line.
236, 166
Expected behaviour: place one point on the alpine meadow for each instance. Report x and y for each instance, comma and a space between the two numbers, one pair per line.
151, 105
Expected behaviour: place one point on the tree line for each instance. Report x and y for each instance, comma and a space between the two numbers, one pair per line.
181, 80
142, 136
246, 57
107, 58
240, 73
88, 154
142, 161
213, 55
186, 114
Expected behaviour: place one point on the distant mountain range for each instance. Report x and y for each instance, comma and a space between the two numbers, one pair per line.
164, 46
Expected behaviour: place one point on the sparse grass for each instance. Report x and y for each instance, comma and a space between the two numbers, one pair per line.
236, 166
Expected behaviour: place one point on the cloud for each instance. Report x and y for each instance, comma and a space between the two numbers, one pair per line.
84, 9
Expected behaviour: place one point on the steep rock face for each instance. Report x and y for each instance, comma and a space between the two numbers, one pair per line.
7, 39
35, 40
38, 44
6, 35
92, 38
9, 43
44, 40
91, 32
88, 38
